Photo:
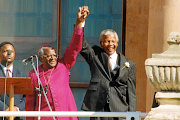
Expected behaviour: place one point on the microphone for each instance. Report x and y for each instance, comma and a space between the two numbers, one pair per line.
25, 61
9, 52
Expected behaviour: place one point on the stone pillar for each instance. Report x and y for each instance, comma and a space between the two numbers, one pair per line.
163, 72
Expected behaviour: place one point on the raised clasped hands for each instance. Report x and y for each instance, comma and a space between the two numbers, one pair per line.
82, 15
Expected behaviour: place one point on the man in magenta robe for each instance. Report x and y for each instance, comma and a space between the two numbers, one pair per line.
54, 75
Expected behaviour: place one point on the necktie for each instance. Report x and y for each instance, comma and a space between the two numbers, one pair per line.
110, 62
7, 73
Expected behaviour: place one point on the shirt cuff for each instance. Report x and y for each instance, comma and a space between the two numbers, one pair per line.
83, 24
79, 31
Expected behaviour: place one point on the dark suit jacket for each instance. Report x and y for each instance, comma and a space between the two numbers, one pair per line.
120, 92
155, 103
19, 100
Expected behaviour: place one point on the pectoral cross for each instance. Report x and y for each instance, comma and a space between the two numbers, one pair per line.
46, 89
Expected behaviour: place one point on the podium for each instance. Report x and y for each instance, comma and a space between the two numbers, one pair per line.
15, 85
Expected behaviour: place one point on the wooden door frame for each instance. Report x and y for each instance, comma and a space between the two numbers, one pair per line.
123, 27
59, 28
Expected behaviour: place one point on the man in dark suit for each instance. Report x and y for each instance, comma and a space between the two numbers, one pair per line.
113, 77
7, 55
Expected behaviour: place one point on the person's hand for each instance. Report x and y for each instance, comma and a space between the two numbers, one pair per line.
82, 15
14, 109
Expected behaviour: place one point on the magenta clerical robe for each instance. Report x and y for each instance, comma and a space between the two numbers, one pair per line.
59, 93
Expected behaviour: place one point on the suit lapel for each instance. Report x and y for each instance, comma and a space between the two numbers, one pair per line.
2, 72
15, 72
104, 64
121, 63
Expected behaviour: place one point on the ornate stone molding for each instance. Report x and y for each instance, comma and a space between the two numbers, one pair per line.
163, 70
163, 73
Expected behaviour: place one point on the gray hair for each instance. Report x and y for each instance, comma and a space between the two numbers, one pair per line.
107, 32
41, 51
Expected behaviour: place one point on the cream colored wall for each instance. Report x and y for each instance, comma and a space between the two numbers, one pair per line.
148, 24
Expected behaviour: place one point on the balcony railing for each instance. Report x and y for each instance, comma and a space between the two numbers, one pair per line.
128, 115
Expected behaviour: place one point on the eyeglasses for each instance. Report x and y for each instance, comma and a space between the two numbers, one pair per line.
50, 56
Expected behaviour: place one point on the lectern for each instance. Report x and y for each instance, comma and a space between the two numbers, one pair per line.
15, 85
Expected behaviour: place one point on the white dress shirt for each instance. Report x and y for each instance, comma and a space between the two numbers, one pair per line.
113, 60
5, 69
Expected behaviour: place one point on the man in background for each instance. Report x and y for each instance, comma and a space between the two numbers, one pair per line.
7, 55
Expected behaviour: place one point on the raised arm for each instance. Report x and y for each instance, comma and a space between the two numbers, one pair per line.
75, 45
81, 16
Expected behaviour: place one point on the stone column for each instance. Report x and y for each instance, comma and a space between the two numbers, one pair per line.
163, 72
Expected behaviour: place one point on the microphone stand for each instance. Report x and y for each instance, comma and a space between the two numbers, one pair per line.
5, 90
9, 53
39, 90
